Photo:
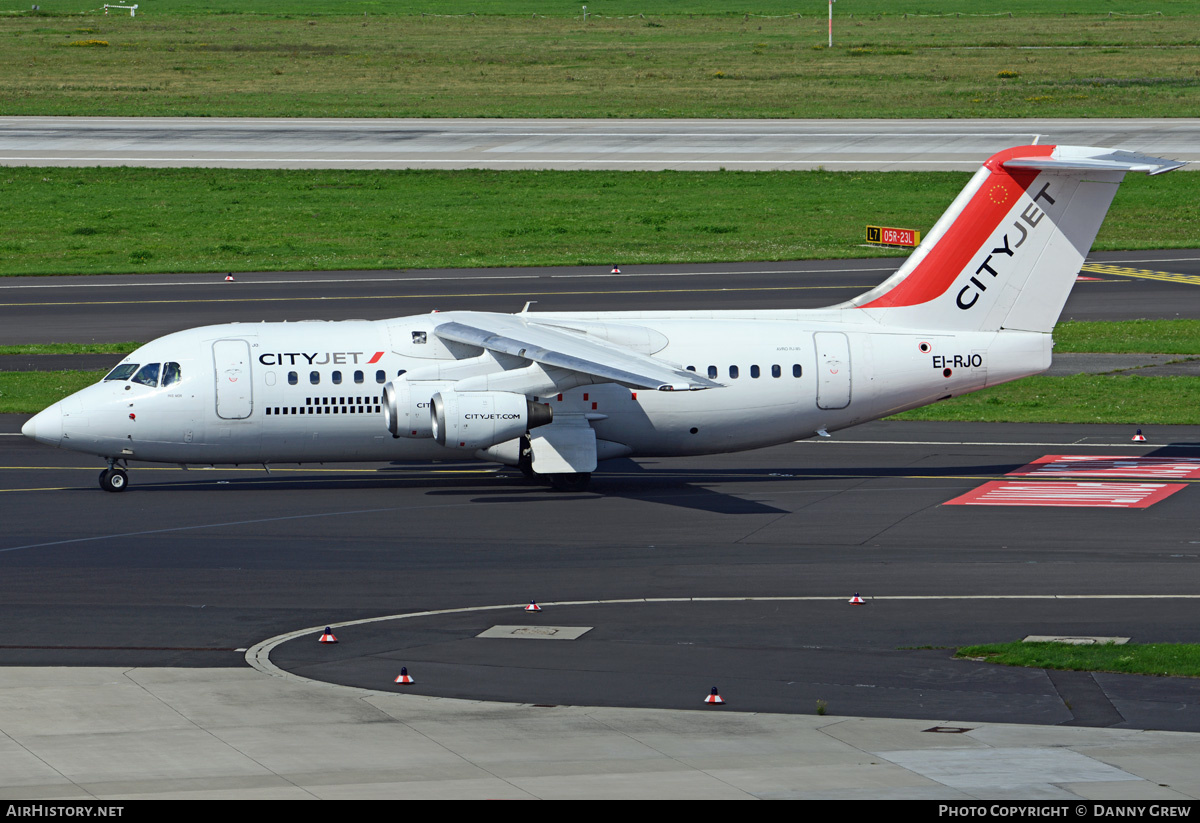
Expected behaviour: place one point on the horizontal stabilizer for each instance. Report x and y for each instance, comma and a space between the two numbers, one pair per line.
1126, 161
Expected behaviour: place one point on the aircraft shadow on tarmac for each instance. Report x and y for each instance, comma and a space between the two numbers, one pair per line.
649, 482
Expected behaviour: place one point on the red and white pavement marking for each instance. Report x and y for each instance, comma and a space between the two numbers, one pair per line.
1065, 493
1090, 465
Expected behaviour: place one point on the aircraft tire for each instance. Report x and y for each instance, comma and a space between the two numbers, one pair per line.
114, 480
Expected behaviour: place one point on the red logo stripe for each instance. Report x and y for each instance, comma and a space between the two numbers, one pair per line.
375, 359
967, 234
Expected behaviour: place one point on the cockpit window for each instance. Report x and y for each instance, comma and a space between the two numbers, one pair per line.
171, 373
148, 375
122, 371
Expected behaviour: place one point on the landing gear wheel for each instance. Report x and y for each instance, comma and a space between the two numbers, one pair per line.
114, 480
570, 482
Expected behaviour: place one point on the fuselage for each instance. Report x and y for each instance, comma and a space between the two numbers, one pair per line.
313, 391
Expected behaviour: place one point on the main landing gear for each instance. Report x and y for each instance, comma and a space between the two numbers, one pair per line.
114, 478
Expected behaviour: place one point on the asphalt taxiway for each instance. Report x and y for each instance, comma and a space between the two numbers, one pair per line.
163, 642
1143, 284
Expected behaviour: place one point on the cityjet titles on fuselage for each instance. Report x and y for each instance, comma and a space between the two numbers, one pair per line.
968, 295
337, 358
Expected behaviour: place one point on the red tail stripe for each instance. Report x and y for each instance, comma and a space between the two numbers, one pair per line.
970, 230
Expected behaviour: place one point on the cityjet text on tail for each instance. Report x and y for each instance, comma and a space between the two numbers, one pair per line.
556, 394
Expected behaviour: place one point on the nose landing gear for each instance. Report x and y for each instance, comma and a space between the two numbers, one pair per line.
114, 479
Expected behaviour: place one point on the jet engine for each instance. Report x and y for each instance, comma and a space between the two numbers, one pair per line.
478, 420
406, 407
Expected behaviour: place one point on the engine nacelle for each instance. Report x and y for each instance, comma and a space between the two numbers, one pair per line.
478, 420
406, 407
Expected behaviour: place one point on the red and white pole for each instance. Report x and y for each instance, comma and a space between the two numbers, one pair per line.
831, 2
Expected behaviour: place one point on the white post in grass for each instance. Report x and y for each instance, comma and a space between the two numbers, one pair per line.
831, 2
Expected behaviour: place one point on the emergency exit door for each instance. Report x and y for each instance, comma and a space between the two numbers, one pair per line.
833, 369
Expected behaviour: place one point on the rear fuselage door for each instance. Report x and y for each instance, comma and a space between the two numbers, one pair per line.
231, 362
833, 369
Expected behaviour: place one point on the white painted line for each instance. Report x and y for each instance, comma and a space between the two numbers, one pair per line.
261, 278
259, 655
218, 281
193, 161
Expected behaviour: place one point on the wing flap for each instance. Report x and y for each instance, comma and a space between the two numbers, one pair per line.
564, 350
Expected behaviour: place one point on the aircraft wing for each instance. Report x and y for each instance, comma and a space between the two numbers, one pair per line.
557, 348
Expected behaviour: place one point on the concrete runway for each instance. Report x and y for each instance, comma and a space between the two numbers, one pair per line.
913, 145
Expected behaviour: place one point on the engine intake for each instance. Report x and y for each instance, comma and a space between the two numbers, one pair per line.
479, 420
406, 407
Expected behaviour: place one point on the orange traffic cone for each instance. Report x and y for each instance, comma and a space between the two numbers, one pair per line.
327, 637
404, 678
1139, 437
713, 697
533, 607
856, 600
229, 276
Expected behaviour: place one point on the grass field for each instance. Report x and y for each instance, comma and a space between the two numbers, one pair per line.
28, 392
1170, 659
1080, 398
654, 8
342, 58
85, 221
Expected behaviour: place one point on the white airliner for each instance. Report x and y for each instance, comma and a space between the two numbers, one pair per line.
555, 393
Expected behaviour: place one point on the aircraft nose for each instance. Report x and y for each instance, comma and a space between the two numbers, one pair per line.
46, 426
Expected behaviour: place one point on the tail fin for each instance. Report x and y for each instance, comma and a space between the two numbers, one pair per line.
1007, 251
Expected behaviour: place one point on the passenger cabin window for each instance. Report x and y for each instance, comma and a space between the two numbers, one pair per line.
776, 371
733, 372
381, 376
122, 371
293, 378
712, 372
754, 371
337, 378
147, 375
314, 377
796, 371
358, 377
172, 374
